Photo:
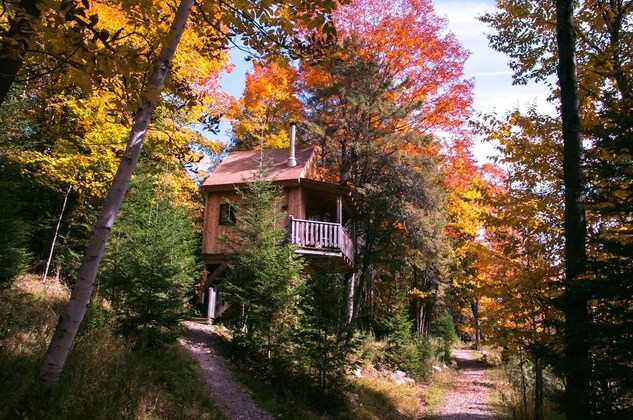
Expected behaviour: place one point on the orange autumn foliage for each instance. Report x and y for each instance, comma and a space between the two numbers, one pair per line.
415, 46
415, 49
261, 116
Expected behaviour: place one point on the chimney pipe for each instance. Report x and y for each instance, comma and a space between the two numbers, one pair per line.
292, 162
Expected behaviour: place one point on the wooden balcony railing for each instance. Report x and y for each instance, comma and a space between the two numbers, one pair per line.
325, 236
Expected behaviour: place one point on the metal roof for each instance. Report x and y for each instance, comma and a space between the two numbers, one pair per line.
240, 167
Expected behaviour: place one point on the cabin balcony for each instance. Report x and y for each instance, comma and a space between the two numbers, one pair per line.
322, 242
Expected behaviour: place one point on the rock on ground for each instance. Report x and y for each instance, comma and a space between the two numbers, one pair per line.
230, 396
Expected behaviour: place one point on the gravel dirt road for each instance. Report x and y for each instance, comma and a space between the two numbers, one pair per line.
232, 398
470, 396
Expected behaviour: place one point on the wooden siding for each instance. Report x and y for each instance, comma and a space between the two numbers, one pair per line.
213, 232
295, 202
311, 170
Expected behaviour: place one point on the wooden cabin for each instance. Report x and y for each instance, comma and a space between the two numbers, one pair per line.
316, 215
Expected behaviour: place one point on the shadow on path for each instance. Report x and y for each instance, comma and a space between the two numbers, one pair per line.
470, 396
231, 396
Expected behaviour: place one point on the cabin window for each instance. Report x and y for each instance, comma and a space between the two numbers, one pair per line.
227, 214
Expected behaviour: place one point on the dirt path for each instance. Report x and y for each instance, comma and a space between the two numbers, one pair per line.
230, 396
470, 396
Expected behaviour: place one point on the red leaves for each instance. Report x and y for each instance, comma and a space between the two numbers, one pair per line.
417, 50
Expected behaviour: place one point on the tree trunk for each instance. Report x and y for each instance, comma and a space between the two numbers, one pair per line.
359, 286
417, 306
538, 388
351, 285
59, 222
523, 384
577, 363
474, 306
73, 314
19, 30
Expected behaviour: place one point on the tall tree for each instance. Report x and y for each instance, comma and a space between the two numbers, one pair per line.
415, 46
600, 39
149, 267
262, 113
65, 123
523, 255
366, 142
266, 273
465, 186
576, 313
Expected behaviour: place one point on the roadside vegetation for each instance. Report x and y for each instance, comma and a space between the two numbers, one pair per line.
105, 377
368, 387
513, 396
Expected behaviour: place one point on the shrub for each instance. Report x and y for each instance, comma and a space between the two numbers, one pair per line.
103, 377
415, 356
446, 331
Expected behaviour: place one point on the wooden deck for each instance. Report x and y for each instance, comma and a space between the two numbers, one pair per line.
321, 239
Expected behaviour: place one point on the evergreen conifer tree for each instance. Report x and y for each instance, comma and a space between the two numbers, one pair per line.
366, 142
266, 273
13, 230
324, 316
150, 266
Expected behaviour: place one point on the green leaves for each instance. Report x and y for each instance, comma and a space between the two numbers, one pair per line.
366, 142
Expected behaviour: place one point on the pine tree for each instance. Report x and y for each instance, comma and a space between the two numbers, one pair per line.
13, 230
323, 321
366, 141
150, 266
266, 273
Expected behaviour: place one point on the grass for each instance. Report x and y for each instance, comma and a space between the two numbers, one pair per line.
435, 392
103, 378
507, 401
506, 396
361, 399
379, 398
369, 398
503, 398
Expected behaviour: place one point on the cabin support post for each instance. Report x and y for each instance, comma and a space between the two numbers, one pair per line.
339, 209
211, 305
351, 282
202, 283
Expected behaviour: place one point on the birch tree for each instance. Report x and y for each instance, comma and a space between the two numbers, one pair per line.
69, 322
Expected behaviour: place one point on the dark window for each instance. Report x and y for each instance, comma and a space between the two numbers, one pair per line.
227, 214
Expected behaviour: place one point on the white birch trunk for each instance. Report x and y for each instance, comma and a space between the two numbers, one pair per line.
73, 314
59, 223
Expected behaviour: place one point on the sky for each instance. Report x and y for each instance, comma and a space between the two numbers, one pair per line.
493, 78
494, 91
